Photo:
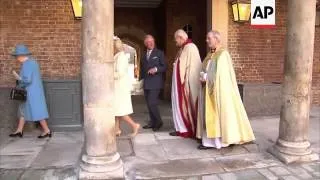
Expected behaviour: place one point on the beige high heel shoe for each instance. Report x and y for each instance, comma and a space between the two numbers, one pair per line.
135, 130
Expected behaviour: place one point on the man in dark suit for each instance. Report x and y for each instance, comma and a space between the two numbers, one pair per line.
153, 66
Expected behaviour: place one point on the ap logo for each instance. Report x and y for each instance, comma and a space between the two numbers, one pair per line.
263, 13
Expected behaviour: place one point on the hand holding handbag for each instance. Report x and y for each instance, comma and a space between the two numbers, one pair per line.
18, 94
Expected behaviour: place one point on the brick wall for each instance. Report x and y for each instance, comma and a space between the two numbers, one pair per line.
50, 31
258, 54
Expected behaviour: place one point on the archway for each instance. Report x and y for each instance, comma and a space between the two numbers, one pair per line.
133, 70
133, 38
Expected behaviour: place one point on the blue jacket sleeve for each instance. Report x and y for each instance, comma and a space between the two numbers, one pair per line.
163, 64
26, 75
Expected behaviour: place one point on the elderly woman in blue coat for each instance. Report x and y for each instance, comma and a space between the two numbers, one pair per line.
35, 107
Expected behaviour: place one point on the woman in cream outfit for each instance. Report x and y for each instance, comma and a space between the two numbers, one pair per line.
123, 105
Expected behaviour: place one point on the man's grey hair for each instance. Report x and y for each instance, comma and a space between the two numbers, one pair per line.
148, 36
216, 35
181, 33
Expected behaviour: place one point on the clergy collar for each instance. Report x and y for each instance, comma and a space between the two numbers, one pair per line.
187, 42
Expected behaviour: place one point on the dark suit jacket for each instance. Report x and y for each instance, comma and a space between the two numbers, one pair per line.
157, 60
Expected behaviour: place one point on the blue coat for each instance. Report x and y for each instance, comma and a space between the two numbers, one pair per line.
35, 108
157, 60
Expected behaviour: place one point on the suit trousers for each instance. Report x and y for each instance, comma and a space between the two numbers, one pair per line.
152, 99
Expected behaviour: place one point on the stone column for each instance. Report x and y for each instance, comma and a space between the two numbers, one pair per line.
218, 18
292, 144
100, 159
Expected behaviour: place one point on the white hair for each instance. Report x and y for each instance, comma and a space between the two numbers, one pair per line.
216, 35
118, 45
148, 36
181, 33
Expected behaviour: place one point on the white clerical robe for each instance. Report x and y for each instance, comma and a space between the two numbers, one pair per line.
185, 90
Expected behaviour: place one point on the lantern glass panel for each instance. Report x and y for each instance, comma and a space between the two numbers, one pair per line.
77, 8
235, 12
244, 11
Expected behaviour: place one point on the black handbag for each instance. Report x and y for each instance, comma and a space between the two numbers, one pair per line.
18, 94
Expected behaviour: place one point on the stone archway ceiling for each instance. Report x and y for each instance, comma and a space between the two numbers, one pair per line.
138, 3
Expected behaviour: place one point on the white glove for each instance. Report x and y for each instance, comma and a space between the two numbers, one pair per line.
16, 75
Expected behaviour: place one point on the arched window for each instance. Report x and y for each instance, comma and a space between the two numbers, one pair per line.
188, 29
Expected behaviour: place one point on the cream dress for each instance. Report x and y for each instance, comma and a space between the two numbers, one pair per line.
123, 105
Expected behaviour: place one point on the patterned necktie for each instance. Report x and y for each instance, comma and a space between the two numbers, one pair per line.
148, 54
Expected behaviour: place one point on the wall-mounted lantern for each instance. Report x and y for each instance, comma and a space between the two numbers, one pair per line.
77, 8
241, 11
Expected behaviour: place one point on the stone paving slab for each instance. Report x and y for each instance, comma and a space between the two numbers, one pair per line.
254, 174
233, 150
16, 161
58, 155
23, 146
145, 139
171, 169
246, 175
151, 153
186, 149
124, 147
10, 174
50, 174
210, 177
247, 161
67, 137
268, 174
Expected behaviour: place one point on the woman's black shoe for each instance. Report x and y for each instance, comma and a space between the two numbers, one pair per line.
18, 134
49, 134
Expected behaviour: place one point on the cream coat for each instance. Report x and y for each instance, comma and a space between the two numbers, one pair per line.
123, 105
190, 67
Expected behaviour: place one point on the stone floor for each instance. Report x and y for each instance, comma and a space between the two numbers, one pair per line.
158, 155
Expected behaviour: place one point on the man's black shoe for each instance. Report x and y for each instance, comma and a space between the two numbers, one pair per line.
148, 126
174, 133
202, 147
157, 128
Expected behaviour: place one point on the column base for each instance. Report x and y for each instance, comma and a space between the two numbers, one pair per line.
108, 167
289, 152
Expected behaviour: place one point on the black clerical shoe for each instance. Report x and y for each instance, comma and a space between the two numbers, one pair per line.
17, 134
174, 133
157, 128
202, 147
148, 126
49, 134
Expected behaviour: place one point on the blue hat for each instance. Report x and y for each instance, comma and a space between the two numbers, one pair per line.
20, 50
